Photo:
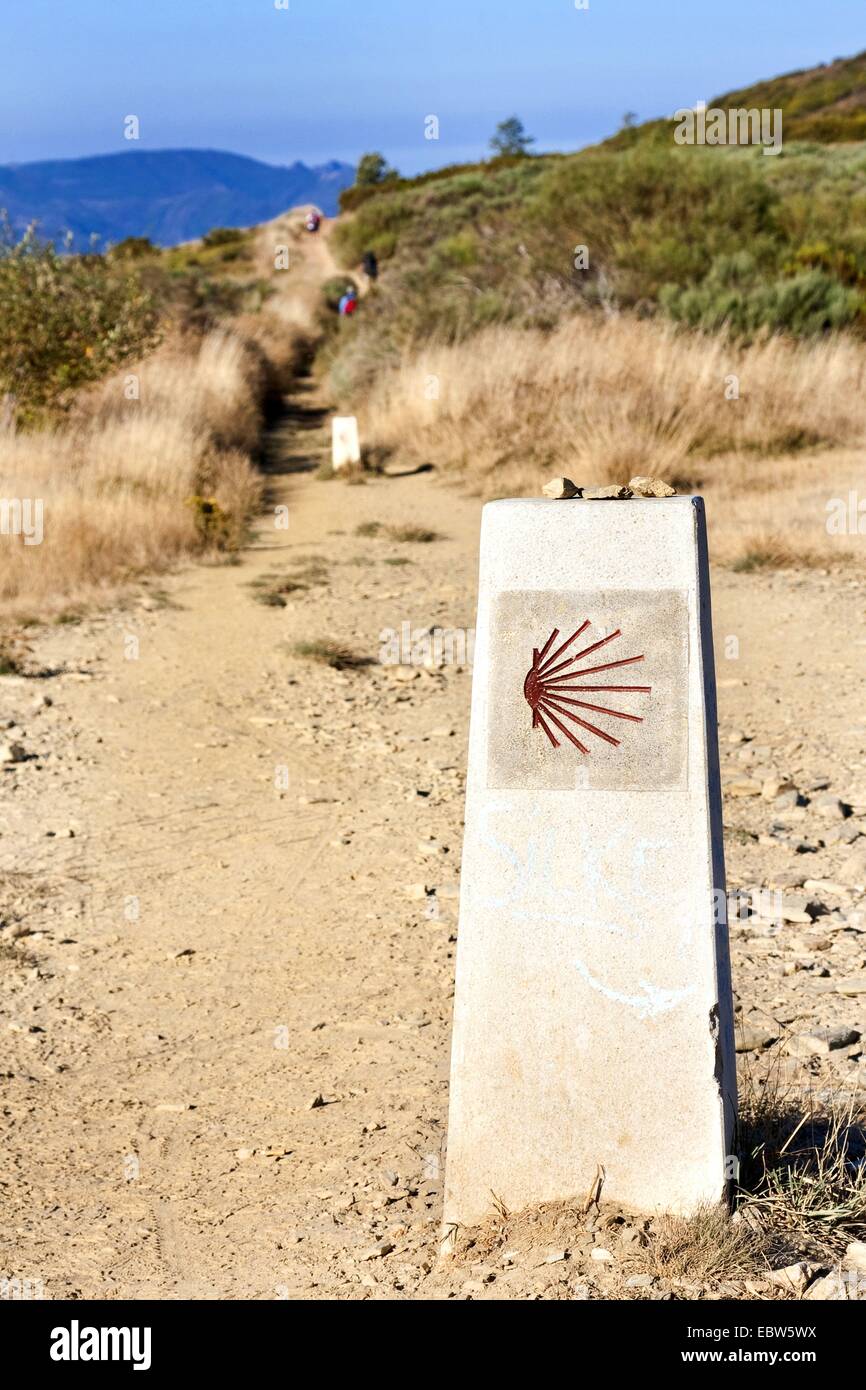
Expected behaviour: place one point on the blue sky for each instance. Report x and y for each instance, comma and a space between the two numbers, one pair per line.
333, 78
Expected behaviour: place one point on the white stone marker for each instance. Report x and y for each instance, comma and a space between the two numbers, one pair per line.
593, 1028
345, 445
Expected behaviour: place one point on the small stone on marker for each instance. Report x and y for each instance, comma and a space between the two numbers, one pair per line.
652, 487
560, 488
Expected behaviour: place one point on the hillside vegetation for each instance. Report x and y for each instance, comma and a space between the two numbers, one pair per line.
708, 237
825, 104
134, 389
768, 433
696, 312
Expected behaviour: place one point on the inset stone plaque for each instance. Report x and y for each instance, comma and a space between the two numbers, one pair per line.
588, 690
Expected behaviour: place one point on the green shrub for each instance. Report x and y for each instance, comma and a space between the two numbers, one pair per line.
834, 261
334, 289
66, 320
383, 245
132, 248
458, 250
222, 247
213, 524
651, 216
734, 296
387, 214
224, 236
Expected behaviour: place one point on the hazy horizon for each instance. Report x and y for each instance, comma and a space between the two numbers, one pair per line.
327, 80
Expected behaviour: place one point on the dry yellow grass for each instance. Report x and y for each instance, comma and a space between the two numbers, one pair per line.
802, 1180
156, 462
116, 482
765, 431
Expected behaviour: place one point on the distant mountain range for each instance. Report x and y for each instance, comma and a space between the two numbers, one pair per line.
167, 195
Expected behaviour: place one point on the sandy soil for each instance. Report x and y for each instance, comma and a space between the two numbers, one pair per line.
230, 874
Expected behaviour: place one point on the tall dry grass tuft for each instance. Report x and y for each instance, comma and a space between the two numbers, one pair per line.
802, 1181
119, 481
600, 400
156, 461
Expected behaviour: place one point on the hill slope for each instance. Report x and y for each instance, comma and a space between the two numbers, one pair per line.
167, 195
825, 104
709, 236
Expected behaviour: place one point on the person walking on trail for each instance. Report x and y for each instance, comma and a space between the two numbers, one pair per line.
370, 265
349, 302
314, 221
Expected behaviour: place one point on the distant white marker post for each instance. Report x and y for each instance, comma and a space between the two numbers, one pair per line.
345, 444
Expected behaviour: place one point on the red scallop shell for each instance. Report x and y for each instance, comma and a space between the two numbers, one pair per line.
550, 687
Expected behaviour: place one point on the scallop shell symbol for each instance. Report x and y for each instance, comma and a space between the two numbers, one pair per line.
550, 689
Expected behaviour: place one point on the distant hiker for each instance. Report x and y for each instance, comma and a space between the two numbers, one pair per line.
349, 302
314, 221
370, 265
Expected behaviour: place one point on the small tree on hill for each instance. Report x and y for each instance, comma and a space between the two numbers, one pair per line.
510, 138
373, 169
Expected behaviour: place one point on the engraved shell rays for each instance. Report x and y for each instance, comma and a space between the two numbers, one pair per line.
552, 693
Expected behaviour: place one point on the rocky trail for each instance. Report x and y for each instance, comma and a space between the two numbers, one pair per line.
229, 892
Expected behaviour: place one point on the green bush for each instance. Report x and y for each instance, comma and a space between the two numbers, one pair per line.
66, 320
835, 261
735, 297
386, 215
498, 241
217, 249
334, 289
224, 236
383, 245
651, 216
214, 525
132, 248
458, 250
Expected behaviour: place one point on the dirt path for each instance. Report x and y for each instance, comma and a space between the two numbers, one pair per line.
233, 873
243, 943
